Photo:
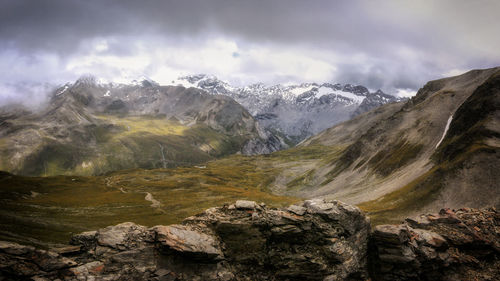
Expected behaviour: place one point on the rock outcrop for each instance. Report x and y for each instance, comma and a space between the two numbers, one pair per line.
451, 245
313, 240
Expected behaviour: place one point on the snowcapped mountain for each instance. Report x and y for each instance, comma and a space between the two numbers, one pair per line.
295, 111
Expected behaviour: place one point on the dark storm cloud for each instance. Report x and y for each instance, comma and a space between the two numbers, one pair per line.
381, 44
61, 24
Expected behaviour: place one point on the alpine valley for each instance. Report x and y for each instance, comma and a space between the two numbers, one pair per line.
103, 154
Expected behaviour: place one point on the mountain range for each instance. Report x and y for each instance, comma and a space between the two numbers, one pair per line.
91, 128
295, 111
438, 149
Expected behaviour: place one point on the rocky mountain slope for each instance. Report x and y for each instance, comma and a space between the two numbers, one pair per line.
295, 111
92, 128
312, 240
441, 148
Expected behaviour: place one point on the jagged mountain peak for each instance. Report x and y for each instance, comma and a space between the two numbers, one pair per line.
196, 77
356, 89
214, 85
144, 81
88, 80
200, 80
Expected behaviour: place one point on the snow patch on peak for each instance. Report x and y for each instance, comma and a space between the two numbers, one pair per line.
206, 82
297, 91
351, 96
66, 87
323, 91
144, 81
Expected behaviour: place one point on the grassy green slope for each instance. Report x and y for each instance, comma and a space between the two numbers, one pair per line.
116, 143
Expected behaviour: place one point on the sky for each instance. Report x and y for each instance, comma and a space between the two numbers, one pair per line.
395, 46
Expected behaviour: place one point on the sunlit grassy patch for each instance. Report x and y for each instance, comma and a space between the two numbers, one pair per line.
398, 155
302, 180
120, 143
145, 124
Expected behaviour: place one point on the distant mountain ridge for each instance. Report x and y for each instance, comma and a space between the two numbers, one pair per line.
92, 128
295, 111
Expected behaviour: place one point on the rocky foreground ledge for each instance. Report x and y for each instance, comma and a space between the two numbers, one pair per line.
313, 240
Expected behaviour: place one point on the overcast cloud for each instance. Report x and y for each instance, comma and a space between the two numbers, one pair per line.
393, 45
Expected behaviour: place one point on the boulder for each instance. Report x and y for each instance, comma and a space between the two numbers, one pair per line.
312, 240
121, 236
450, 245
20, 262
296, 209
245, 205
85, 239
188, 242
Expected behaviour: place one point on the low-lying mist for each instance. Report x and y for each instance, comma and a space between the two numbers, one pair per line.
32, 95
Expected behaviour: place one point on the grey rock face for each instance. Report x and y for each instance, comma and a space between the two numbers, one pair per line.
121, 236
22, 262
374, 100
265, 145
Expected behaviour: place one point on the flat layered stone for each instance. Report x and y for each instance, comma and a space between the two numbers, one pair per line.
181, 239
298, 210
121, 235
246, 205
